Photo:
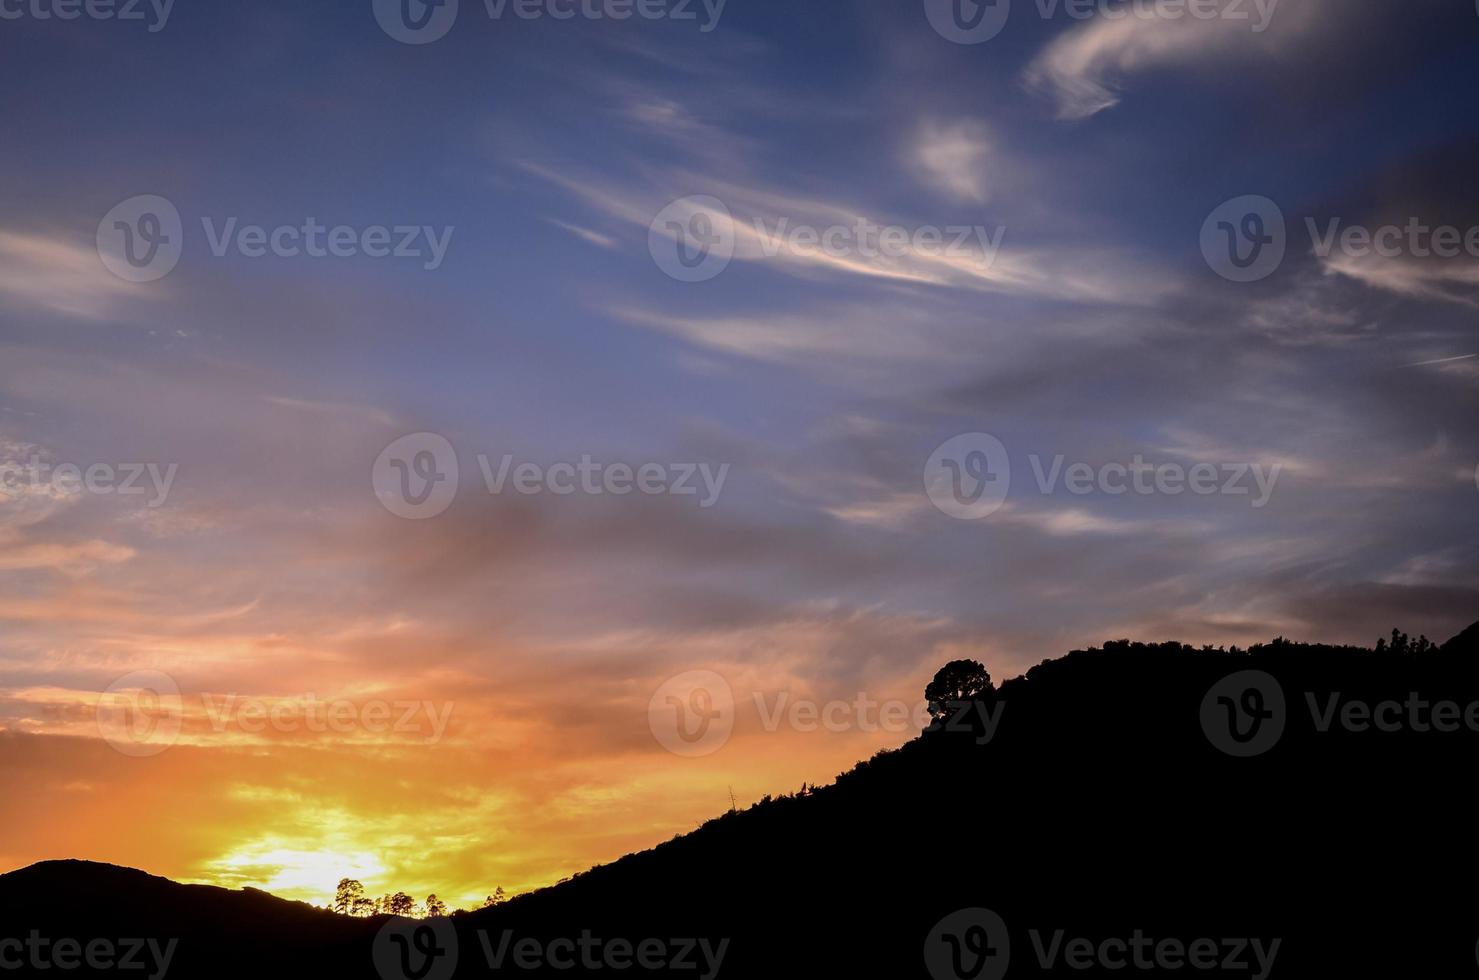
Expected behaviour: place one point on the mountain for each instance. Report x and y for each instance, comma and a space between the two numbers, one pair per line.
1290, 810
176, 930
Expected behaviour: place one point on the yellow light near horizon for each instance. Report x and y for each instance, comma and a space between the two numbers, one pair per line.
310, 876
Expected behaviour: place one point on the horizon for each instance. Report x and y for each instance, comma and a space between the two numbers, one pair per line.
453, 453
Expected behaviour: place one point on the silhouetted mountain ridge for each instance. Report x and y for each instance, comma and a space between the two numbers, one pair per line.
1099, 794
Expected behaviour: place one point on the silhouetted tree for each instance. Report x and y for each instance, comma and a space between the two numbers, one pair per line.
497, 898
435, 907
1402, 644
955, 683
349, 897
398, 904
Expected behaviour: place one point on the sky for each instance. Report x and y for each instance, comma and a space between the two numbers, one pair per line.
938, 332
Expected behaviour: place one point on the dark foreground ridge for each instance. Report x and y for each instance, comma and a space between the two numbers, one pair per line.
1148, 810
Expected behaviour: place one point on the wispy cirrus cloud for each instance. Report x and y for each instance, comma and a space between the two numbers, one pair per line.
1449, 281
978, 257
1083, 69
57, 275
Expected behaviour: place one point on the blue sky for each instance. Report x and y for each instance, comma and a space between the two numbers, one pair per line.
1099, 331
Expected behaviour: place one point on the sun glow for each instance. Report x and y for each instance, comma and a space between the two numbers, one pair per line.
305, 875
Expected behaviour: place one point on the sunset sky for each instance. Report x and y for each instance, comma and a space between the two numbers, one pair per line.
532, 631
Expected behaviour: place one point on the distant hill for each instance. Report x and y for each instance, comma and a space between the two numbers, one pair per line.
1129, 796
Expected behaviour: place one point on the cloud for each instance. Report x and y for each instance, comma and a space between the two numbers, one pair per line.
70, 558
1445, 281
585, 234
1082, 68
765, 227
954, 158
53, 274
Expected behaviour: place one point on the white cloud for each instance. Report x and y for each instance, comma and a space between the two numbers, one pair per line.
954, 158
763, 226
1448, 281
1082, 68
59, 276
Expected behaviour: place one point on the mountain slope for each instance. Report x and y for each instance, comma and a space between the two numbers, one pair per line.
1100, 806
